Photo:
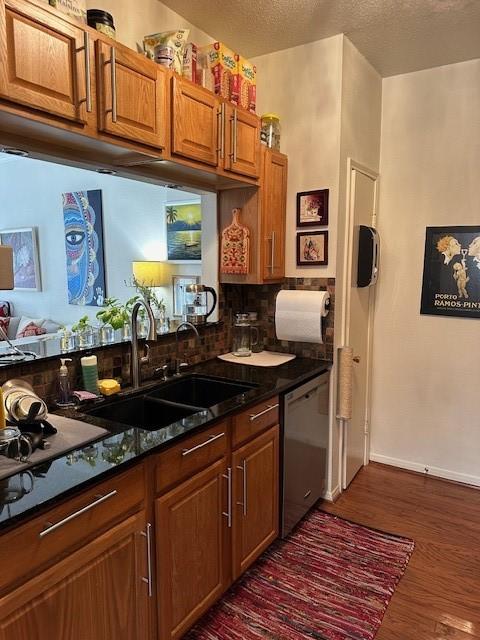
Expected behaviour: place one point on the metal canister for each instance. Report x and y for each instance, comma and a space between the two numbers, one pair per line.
164, 55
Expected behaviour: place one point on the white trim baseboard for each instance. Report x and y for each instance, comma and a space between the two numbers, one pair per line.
426, 469
331, 496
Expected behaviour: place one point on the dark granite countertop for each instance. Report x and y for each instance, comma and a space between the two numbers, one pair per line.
22, 495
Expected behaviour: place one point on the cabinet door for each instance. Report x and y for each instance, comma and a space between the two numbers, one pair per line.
242, 142
132, 95
97, 593
42, 61
274, 202
190, 542
195, 122
255, 496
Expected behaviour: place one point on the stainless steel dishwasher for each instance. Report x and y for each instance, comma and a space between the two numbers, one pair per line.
306, 437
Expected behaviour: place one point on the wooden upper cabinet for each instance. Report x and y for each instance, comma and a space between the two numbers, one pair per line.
264, 213
242, 142
256, 498
43, 61
195, 122
274, 202
131, 95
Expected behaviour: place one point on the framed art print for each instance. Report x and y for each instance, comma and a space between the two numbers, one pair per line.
184, 231
84, 247
451, 272
26, 267
312, 208
178, 291
312, 248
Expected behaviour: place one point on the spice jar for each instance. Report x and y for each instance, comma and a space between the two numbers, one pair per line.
101, 21
270, 133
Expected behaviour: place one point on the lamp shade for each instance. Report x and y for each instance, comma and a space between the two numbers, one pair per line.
150, 273
6, 268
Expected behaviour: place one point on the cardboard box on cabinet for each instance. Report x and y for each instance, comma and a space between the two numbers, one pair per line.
222, 63
75, 8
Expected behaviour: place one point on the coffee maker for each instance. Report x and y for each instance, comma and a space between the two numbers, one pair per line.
195, 308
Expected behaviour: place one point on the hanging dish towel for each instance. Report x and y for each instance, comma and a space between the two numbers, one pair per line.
235, 248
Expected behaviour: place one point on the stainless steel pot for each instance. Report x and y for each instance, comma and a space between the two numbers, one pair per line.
22, 404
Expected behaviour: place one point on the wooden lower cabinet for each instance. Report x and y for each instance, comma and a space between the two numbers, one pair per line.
97, 593
136, 581
200, 549
191, 544
255, 498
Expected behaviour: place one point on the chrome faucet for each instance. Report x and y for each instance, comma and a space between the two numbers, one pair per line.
135, 360
181, 365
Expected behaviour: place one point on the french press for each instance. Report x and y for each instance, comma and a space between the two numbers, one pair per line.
196, 309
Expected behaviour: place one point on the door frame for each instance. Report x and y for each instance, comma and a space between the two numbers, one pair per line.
352, 167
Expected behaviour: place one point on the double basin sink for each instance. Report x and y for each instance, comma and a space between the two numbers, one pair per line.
170, 402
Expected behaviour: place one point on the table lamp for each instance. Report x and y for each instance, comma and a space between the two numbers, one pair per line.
150, 273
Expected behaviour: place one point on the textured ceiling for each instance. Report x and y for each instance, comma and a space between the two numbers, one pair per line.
396, 36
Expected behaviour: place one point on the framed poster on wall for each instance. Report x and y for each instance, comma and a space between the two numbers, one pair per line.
312, 248
84, 247
26, 267
312, 208
184, 231
451, 272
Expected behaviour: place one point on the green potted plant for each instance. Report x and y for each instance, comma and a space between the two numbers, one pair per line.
112, 316
158, 305
67, 340
84, 332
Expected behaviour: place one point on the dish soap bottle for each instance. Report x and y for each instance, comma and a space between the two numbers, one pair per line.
64, 390
90, 373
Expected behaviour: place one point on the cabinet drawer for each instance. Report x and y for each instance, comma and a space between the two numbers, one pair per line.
253, 421
190, 455
45, 539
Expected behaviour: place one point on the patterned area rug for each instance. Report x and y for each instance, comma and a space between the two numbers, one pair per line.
330, 580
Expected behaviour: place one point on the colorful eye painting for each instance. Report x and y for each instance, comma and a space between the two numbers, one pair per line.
83, 220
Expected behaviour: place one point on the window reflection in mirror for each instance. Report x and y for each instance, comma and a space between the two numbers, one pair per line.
82, 239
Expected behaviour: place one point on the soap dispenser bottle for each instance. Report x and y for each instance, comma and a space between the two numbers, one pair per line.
64, 390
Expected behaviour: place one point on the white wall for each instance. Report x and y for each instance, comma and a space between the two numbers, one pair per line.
360, 140
303, 85
133, 20
134, 229
426, 374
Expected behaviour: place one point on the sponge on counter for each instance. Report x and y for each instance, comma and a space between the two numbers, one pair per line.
108, 387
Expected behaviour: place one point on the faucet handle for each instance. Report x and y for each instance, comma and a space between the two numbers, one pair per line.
163, 370
181, 366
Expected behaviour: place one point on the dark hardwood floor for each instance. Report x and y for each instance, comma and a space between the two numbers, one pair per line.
438, 598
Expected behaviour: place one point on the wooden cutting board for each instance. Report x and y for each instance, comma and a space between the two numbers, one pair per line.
235, 247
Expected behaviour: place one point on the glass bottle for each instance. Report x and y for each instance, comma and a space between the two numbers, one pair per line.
242, 335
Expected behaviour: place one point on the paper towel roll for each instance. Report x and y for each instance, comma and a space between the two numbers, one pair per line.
298, 315
345, 382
